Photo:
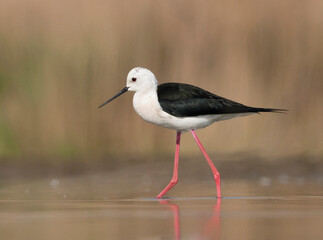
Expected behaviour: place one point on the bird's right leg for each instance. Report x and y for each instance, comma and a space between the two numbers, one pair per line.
216, 174
175, 173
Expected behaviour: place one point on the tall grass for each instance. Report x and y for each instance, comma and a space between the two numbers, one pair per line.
60, 59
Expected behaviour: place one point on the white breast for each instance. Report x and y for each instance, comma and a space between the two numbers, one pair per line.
147, 106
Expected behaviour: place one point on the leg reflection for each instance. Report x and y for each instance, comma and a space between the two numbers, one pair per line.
175, 211
212, 227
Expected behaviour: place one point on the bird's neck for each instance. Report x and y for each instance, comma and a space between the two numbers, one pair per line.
151, 93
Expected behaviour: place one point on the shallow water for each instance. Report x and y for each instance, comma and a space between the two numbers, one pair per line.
121, 206
183, 218
260, 202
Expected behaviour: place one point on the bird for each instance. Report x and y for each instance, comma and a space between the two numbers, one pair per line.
182, 107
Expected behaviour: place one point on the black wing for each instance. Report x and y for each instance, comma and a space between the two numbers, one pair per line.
184, 100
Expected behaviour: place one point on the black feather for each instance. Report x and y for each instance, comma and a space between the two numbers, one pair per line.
184, 100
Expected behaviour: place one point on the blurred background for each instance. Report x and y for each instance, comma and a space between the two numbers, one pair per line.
59, 60
69, 170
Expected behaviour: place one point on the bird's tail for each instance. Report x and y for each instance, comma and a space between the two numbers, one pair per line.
276, 110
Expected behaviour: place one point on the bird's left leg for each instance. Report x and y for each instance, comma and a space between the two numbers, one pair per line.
175, 174
216, 174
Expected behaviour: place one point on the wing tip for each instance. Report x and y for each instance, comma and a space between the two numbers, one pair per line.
274, 110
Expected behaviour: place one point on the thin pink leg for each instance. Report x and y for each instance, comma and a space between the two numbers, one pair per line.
175, 174
216, 174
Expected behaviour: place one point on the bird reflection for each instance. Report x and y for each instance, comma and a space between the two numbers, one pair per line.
210, 227
214, 222
175, 210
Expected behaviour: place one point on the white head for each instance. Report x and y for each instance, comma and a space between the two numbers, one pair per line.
138, 80
141, 80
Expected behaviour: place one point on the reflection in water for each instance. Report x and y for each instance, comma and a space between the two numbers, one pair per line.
213, 224
175, 210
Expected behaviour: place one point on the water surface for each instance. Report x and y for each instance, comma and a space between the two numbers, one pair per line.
121, 205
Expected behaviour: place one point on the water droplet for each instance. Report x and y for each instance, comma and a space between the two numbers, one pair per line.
54, 183
265, 181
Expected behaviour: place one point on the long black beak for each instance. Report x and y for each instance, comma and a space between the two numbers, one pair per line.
117, 95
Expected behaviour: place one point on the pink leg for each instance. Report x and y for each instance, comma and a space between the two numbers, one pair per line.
175, 174
216, 174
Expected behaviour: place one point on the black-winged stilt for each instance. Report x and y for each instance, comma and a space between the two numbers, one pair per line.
182, 107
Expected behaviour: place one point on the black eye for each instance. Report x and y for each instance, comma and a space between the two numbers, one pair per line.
134, 79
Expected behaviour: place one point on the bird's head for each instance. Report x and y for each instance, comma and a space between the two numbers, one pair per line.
138, 80
141, 80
